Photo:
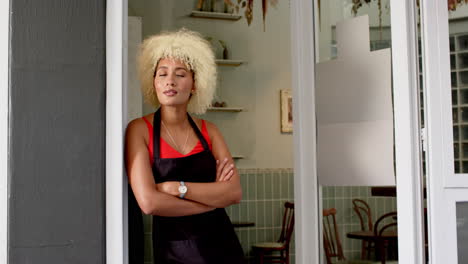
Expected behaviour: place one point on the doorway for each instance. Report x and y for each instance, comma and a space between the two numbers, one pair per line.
303, 48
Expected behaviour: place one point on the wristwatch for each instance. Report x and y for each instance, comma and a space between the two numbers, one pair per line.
182, 189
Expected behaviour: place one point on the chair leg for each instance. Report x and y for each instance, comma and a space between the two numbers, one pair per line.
287, 256
261, 255
382, 252
363, 250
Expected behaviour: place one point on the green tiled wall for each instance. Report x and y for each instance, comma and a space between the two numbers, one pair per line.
340, 197
264, 193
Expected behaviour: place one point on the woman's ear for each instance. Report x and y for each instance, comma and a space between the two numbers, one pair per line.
194, 89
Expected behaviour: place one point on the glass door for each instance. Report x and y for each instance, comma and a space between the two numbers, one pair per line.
444, 27
389, 180
391, 21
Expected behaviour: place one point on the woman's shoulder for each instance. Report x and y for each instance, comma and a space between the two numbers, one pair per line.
141, 121
139, 127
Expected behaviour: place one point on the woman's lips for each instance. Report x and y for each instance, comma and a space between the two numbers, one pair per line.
170, 92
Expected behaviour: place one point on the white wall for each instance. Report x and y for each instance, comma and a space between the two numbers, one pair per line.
255, 85
333, 11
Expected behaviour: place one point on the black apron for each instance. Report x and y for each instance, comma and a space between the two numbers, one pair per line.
206, 238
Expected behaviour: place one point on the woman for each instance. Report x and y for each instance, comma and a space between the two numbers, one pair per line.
179, 167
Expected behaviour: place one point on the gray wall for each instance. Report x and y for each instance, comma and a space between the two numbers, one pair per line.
57, 132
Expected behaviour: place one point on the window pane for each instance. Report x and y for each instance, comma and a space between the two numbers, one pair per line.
462, 231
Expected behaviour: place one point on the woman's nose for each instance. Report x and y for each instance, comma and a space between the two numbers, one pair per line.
170, 81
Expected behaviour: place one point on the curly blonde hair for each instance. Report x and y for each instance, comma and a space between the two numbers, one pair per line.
190, 48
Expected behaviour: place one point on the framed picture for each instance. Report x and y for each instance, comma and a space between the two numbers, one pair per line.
286, 111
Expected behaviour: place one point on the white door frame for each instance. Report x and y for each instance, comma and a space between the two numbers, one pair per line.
407, 135
116, 182
4, 103
445, 188
308, 218
305, 186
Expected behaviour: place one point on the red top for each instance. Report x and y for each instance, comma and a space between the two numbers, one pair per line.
167, 151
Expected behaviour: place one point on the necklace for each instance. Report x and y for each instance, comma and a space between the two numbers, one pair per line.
181, 150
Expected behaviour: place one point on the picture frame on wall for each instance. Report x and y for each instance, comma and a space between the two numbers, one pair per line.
286, 111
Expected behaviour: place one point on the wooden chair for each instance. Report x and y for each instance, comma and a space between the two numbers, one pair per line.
331, 237
282, 245
364, 213
383, 224
332, 242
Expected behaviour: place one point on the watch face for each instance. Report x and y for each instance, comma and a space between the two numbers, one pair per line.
182, 189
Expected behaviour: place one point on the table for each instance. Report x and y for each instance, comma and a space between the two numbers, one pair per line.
390, 235
242, 224
370, 236
388, 191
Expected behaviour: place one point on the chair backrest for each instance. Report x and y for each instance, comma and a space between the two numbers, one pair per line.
331, 237
364, 213
385, 222
288, 224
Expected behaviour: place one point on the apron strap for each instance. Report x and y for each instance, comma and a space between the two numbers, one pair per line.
199, 134
157, 134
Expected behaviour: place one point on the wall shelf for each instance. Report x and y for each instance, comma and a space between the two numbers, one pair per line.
233, 63
214, 15
225, 109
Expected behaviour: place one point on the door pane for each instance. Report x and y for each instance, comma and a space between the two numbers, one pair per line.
354, 204
462, 231
458, 30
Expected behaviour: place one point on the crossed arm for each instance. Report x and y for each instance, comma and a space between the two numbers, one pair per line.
162, 199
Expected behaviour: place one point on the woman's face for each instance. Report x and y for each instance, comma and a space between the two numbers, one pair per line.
173, 82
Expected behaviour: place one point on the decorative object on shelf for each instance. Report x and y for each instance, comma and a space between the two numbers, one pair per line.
286, 111
219, 104
225, 50
453, 4
224, 53
211, 5
248, 5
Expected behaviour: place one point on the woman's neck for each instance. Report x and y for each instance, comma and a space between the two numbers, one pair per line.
174, 116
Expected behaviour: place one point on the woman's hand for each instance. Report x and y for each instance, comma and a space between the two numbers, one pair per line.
224, 170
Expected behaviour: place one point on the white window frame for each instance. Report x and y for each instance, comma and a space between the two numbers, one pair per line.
4, 102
